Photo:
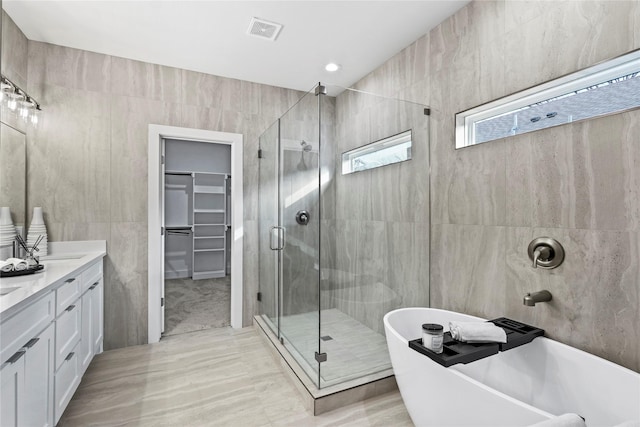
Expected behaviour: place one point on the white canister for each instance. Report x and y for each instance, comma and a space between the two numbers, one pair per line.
432, 337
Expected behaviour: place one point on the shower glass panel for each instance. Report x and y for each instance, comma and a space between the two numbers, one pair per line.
337, 252
300, 218
380, 236
269, 262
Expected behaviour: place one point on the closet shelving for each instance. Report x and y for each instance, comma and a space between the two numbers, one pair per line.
178, 224
198, 210
210, 225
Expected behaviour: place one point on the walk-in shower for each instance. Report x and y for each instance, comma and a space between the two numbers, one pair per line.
338, 251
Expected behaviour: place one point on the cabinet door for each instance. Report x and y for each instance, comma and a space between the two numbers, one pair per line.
12, 391
86, 339
97, 313
38, 379
68, 330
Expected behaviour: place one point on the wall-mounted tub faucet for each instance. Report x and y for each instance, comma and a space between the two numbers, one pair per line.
536, 297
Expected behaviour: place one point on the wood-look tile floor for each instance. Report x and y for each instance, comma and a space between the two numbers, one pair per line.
214, 377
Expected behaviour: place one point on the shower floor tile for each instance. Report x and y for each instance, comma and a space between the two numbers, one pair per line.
354, 350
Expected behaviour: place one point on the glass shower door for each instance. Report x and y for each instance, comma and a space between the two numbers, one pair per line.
268, 217
300, 218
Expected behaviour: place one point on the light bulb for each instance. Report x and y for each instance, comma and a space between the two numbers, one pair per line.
12, 104
23, 112
34, 118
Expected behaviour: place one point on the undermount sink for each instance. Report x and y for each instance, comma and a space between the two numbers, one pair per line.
6, 291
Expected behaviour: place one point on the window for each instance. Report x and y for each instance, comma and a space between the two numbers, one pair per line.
393, 149
607, 88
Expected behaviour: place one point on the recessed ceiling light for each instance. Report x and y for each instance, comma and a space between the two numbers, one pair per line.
332, 67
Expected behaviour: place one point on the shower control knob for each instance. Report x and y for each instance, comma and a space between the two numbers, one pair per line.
302, 217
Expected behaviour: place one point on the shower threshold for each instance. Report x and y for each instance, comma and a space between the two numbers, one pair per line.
329, 397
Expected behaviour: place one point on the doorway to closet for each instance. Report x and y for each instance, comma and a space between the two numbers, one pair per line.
197, 230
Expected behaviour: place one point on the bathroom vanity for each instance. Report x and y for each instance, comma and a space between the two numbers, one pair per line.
51, 326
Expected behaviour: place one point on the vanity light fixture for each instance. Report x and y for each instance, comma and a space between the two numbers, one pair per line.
332, 67
18, 101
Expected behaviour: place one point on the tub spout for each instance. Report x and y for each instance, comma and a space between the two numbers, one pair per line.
536, 297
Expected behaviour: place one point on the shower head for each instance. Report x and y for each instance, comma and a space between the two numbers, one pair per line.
306, 146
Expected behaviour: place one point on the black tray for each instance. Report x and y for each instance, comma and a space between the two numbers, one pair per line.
517, 333
29, 270
454, 352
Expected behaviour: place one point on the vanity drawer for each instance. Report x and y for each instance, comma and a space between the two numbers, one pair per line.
67, 379
68, 331
67, 294
91, 275
26, 324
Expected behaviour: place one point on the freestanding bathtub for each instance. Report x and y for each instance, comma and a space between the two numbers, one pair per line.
517, 387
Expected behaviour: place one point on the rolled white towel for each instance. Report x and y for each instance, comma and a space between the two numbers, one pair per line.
6, 267
18, 264
564, 420
477, 332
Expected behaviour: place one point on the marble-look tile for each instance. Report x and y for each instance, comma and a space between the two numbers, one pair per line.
194, 379
213, 119
193, 305
590, 32
582, 175
206, 90
68, 231
473, 28
130, 119
71, 68
75, 133
408, 265
468, 269
145, 80
468, 186
635, 20
595, 291
14, 52
125, 292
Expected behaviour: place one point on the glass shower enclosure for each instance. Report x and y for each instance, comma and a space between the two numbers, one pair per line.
334, 249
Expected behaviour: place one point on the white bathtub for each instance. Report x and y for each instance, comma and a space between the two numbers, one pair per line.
517, 387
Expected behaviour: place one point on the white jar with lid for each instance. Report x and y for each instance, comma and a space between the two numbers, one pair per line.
432, 336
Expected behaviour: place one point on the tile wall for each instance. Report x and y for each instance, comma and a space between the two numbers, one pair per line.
88, 156
578, 183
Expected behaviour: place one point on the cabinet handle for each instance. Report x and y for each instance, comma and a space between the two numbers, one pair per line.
16, 357
93, 286
31, 342
71, 307
69, 280
69, 356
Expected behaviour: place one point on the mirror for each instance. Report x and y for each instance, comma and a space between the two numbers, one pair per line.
13, 173
607, 88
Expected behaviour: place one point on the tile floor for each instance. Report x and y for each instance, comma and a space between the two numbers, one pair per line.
214, 377
353, 350
193, 305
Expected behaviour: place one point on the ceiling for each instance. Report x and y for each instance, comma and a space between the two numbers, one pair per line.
211, 36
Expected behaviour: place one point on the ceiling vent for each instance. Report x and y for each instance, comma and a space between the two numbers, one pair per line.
264, 29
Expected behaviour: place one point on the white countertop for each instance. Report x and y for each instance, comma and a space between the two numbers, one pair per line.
64, 261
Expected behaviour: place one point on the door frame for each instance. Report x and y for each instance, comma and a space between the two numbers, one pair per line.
155, 214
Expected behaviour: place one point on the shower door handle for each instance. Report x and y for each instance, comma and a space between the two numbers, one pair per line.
280, 236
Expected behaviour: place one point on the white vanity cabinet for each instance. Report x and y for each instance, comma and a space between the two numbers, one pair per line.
28, 375
47, 344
